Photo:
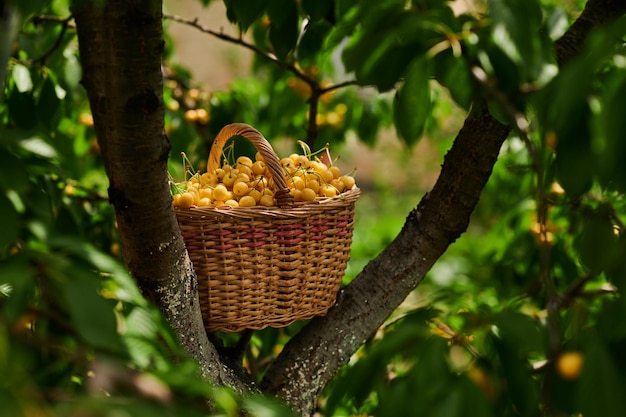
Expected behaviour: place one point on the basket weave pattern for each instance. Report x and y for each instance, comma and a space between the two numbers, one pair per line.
267, 266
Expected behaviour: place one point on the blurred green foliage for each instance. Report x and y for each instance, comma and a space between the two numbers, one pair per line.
538, 276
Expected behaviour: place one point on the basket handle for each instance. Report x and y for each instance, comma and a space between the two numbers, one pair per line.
283, 198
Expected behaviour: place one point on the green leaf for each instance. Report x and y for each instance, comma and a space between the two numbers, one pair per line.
454, 74
311, 42
616, 267
72, 70
21, 76
17, 275
144, 352
125, 287
349, 21
557, 23
574, 164
412, 103
595, 242
284, 27
264, 406
140, 322
319, 9
515, 36
473, 398
601, 389
611, 152
91, 314
613, 331
520, 331
22, 109
244, 12
521, 391
368, 125
38, 147
381, 60
10, 222
48, 103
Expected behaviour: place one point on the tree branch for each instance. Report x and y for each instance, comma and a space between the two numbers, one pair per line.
316, 89
596, 13
239, 41
315, 355
65, 23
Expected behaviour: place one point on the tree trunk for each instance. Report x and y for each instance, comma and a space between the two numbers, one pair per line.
121, 44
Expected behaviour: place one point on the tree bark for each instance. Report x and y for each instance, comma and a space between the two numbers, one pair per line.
596, 13
121, 43
312, 357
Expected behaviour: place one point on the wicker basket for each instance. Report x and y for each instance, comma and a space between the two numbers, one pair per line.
267, 266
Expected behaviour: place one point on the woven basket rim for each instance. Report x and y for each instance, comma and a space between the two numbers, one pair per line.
299, 209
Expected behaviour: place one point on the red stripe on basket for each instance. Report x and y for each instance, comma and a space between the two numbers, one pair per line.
218, 232
254, 244
289, 233
319, 229
189, 235
318, 237
223, 247
289, 226
220, 239
254, 235
289, 241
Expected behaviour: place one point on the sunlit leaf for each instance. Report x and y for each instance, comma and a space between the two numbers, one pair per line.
557, 23
39, 147
21, 76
